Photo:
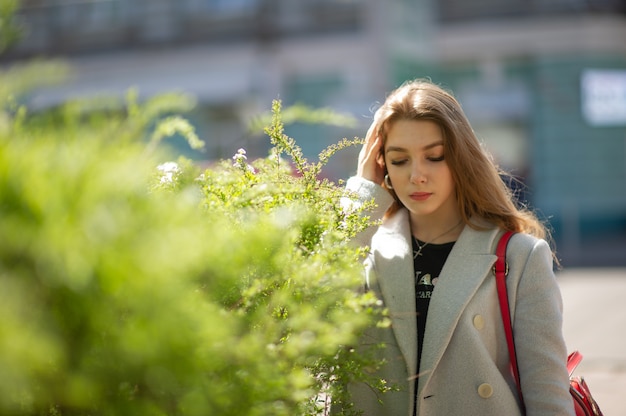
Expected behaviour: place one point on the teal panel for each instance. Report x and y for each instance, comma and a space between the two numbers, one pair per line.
312, 90
573, 162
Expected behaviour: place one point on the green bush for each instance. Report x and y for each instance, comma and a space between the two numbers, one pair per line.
131, 289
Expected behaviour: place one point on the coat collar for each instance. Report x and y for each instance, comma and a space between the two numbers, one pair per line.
468, 264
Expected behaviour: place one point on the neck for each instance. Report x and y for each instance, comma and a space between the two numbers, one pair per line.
437, 230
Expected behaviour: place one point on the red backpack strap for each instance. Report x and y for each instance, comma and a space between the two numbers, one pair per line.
501, 269
572, 361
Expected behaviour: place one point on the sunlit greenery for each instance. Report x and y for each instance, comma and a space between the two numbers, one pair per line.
132, 284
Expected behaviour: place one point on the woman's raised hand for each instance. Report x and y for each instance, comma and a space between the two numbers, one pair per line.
371, 165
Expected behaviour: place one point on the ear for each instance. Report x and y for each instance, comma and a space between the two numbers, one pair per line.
380, 158
382, 165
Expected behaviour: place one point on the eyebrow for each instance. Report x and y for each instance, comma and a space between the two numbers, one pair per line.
402, 149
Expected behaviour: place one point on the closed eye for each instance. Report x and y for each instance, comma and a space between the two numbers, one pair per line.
398, 162
436, 159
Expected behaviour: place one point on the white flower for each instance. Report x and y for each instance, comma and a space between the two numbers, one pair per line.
240, 156
168, 170
240, 160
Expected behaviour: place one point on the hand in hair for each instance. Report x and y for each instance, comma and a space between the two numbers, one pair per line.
371, 165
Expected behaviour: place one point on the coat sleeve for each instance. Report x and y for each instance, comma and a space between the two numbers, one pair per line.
359, 192
539, 342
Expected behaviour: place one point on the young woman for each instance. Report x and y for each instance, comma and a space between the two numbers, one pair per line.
444, 207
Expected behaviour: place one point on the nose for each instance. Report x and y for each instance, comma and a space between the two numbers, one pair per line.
417, 174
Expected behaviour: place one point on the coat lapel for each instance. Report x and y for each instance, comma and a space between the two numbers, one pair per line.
469, 263
394, 265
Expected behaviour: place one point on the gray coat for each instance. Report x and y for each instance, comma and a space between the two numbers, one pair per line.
465, 361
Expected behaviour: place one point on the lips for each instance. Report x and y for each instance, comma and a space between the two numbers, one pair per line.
420, 196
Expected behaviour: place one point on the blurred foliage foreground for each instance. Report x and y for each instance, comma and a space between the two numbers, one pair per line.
127, 289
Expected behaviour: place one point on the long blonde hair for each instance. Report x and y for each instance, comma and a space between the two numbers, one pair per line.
480, 190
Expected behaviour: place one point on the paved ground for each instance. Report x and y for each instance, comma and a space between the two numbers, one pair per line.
594, 302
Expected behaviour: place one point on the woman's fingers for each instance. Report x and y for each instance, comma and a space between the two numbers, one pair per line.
369, 166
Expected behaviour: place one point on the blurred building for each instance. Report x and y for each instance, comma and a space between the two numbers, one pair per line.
547, 79
543, 81
235, 56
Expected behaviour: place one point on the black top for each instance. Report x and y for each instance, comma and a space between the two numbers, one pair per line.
427, 267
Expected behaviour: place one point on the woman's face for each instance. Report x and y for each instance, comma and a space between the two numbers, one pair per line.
417, 168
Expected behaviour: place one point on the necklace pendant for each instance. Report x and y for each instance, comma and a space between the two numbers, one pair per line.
418, 253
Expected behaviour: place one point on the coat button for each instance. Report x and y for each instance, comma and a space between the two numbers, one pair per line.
479, 322
485, 390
